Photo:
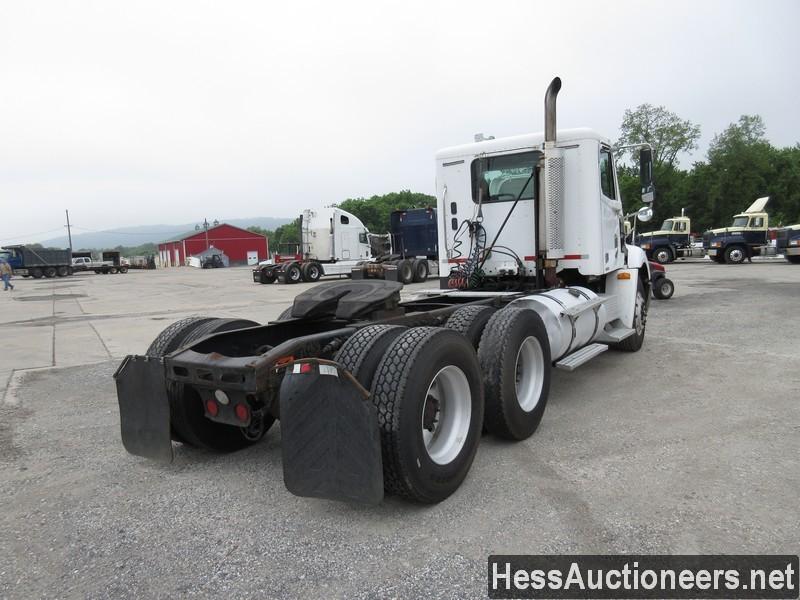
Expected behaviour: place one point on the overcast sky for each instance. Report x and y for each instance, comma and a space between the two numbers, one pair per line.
133, 113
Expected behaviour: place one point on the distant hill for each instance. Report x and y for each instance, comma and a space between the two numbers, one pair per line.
143, 234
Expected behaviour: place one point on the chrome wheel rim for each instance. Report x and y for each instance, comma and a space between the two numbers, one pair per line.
736, 255
662, 256
529, 372
446, 415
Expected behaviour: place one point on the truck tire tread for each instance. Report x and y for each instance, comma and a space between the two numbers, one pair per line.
499, 346
363, 350
470, 322
400, 367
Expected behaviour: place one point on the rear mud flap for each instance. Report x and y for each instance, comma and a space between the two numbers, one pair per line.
329, 435
144, 408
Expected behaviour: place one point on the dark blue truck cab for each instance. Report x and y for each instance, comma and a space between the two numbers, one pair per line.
787, 242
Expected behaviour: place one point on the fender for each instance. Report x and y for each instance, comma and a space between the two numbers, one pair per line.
637, 258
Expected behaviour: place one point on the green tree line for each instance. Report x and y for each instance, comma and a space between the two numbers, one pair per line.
740, 166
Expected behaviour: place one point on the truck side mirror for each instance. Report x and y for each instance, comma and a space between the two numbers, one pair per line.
645, 214
646, 175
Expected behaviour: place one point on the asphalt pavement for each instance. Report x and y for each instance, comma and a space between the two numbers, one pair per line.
689, 446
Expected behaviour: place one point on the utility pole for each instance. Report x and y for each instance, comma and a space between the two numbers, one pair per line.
69, 232
206, 225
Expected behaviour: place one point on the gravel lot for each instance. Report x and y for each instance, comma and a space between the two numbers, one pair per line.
689, 446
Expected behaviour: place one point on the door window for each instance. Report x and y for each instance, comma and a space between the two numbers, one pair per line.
607, 174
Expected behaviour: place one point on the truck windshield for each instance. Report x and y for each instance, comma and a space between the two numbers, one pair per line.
739, 222
506, 177
666, 225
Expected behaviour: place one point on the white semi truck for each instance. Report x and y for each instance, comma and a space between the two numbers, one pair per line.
378, 395
332, 242
336, 242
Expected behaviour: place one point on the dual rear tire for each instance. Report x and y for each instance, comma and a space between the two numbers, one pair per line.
426, 386
188, 422
434, 393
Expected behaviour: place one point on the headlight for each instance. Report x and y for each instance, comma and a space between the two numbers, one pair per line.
795, 242
646, 246
716, 244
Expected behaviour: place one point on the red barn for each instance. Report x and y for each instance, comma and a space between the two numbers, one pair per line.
242, 247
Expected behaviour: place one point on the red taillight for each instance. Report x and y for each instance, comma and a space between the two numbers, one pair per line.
656, 267
212, 408
306, 367
242, 412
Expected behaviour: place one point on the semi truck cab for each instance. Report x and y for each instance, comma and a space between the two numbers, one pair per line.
674, 239
500, 184
745, 238
787, 242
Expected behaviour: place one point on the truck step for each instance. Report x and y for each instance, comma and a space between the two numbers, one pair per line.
617, 334
584, 355
579, 309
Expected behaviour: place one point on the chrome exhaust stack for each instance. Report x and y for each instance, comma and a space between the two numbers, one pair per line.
550, 110
553, 178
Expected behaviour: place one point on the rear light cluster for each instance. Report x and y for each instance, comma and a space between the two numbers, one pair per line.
241, 410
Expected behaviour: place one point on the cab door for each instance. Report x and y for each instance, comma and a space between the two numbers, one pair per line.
347, 237
610, 212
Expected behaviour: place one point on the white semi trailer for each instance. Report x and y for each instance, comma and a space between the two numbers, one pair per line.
381, 395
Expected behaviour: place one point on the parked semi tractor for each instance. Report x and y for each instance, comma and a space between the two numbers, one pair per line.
378, 395
672, 240
332, 242
108, 262
413, 248
38, 262
336, 242
748, 236
787, 242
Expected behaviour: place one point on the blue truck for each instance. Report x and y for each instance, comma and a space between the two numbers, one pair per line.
787, 242
671, 241
414, 233
413, 248
37, 262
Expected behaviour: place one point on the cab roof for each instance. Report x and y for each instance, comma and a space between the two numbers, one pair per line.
519, 142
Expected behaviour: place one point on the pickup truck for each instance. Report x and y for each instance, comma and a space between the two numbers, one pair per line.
85, 263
